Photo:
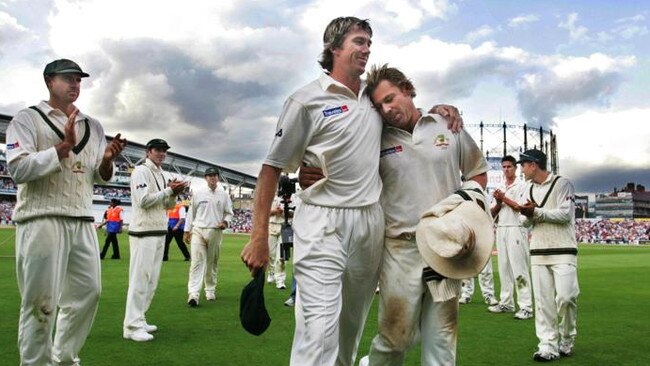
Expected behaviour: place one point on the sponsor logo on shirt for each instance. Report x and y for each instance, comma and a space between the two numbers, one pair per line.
335, 110
15, 145
441, 141
139, 186
279, 133
391, 150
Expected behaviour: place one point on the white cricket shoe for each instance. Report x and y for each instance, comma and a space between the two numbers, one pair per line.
150, 328
566, 349
364, 361
523, 314
498, 308
290, 302
491, 300
210, 296
464, 300
193, 301
138, 335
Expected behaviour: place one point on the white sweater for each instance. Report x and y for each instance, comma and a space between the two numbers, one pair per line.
151, 198
48, 186
553, 236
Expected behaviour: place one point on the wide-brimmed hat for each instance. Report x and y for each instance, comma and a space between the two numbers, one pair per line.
252, 311
457, 244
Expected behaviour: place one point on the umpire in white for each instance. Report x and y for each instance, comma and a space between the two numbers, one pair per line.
209, 214
550, 211
150, 197
55, 153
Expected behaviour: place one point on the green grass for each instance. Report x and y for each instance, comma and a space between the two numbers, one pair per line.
613, 317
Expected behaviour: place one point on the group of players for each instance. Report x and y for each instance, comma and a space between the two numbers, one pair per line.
371, 163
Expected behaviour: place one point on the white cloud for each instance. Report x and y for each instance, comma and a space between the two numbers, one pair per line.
576, 32
594, 137
11, 32
633, 19
522, 20
630, 31
482, 32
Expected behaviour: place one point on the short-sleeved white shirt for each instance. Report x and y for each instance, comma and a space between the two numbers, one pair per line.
516, 192
325, 125
420, 169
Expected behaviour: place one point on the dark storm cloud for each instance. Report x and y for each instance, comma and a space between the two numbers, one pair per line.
541, 101
604, 178
203, 99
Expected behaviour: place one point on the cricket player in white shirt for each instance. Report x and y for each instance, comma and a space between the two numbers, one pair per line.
512, 244
209, 214
550, 211
151, 197
338, 227
55, 153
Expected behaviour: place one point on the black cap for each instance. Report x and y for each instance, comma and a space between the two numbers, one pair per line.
535, 156
211, 171
115, 201
63, 66
252, 312
159, 143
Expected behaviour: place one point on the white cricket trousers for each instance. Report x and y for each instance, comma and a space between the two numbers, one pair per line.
205, 247
144, 272
337, 253
556, 305
513, 258
407, 312
276, 264
485, 281
57, 264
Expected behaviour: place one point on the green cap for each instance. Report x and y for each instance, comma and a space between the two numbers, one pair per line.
252, 312
159, 143
211, 171
63, 66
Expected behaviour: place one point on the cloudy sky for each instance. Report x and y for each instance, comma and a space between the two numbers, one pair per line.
211, 76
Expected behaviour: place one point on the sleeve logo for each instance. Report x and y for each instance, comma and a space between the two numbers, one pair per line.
15, 145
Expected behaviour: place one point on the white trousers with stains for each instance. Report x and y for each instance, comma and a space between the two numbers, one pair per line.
513, 258
485, 282
408, 313
205, 247
337, 252
57, 265
556, 305
144, 272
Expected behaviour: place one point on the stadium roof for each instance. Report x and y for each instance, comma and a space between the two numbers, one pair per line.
177, 163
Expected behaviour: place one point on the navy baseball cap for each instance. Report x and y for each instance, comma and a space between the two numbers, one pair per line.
159, 143
534, 156
252, 312
64, 66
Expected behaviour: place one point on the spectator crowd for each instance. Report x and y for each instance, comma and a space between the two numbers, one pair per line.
612, 232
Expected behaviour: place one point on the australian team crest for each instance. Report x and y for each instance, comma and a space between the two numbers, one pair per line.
441, 141
78, 167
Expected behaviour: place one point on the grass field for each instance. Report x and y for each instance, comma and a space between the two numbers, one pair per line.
613, 317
